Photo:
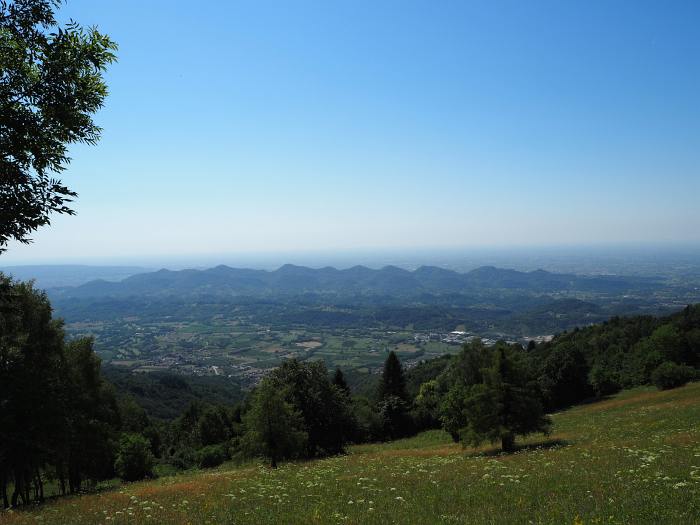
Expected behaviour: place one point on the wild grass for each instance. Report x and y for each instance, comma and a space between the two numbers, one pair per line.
632, 459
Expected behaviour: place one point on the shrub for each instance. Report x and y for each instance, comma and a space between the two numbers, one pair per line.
182, 458
134, 458
603, 380
211, 456
395, 417
671, 375
369, 424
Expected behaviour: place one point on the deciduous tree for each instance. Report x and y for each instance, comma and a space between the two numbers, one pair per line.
273, 426
51, 84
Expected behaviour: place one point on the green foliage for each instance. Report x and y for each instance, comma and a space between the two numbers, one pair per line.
51, 85
273, 426
495, 403
134, 459
57, 412
339, 381
393, 382
671, 375
133, 417
427, 406
368, 423
395, 418
325, 409
167, 395
621, 353
92, 416
604, 380
452, 409
627, 460
214, 426
212, 456
425, 371
392, 406
564, 377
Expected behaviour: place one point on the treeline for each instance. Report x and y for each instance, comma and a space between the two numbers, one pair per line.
574, 367
58, 417
62, 423
166, 395
620, 353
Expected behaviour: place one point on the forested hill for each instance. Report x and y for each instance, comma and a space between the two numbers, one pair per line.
358, 280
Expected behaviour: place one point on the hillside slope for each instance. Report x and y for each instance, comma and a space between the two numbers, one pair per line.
634, 458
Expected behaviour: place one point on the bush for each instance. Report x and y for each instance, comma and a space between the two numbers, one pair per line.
211, 456
603, 380
182, 458
134, 458
395, 417
369, 424
671, 375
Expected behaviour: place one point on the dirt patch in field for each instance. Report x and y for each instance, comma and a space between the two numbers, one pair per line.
618, 403
404, 347
682, 438
309, 344
445, 450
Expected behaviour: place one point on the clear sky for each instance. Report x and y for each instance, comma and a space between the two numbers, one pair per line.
290, 126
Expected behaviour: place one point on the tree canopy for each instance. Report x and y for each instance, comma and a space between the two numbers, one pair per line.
497, 402
274, 426
393, 382
51, 84
56, 411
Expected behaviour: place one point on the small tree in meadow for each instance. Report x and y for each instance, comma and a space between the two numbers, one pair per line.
505, 404
672, 375
134, 458
273, 427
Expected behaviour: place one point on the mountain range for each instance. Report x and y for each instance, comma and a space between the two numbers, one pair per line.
358, 280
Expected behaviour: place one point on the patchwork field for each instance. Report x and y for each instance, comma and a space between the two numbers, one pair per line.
631, 459
245, 350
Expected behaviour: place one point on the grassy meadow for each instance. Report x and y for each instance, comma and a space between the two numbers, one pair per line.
631, 459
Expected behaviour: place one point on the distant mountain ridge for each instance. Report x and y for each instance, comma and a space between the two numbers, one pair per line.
357, 280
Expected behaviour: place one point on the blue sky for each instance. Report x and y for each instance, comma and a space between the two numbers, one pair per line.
239, 127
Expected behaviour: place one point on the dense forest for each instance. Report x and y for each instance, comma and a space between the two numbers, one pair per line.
66, 422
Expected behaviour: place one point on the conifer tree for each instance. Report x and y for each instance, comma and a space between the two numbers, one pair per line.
339, 381
393, 405
393, 382
504, 405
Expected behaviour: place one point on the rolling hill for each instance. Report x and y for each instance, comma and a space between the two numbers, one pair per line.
358, 280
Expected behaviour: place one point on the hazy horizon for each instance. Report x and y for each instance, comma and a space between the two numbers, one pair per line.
647, 259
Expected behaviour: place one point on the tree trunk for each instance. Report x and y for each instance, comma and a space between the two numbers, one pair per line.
508, 442
18, 491
40, 485
3, 489
61, 478
27, 486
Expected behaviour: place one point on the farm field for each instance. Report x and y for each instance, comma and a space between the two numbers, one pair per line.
633, 458
246, 350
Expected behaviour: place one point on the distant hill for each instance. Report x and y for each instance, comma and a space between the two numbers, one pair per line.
358, 280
